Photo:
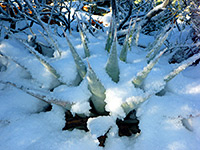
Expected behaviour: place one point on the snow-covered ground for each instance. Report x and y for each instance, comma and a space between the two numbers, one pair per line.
169, 122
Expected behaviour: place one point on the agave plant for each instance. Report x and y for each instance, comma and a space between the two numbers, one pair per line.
95, 86
87, 74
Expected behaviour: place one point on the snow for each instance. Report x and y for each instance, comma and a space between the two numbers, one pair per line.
80, 100
169, 122
163, 120
100, 125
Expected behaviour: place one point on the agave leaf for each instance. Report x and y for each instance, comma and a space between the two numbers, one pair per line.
124, 51
182, 67
42, 60
112, 67
85, 46
31, 75
110, 37
134, 103
98, 91
141, 76
43, 97
155, 47
81, 68
176, 71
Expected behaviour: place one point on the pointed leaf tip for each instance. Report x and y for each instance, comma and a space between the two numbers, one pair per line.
112, 67
81, 67
98, 91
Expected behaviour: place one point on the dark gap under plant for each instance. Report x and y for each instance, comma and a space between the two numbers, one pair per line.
127, 127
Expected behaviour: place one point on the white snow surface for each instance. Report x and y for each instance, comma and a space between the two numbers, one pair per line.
100, 125
25, 126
